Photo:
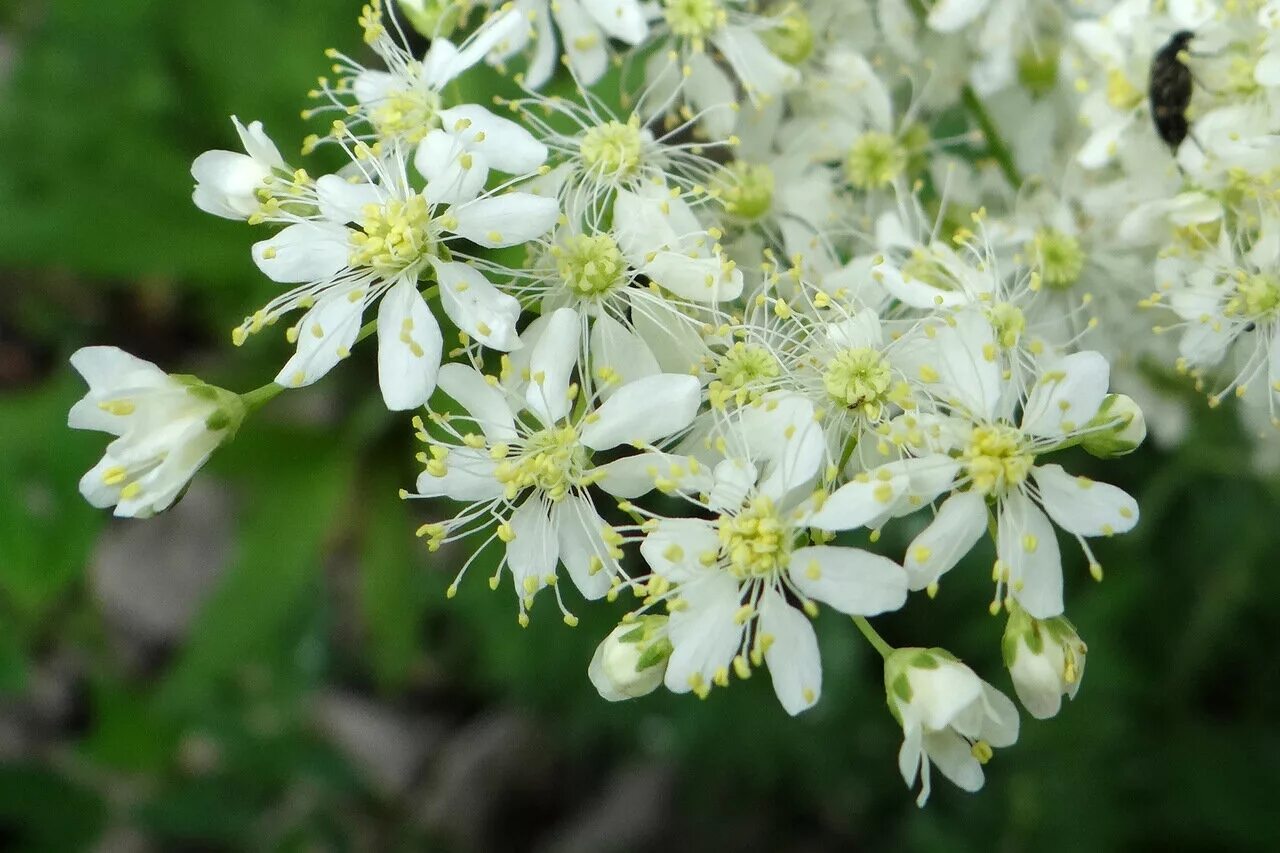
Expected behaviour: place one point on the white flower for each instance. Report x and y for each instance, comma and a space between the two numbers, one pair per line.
990, 453
522, 457
632, 660
166, 427
585, 27
1045, 658
950, 717
682, 66
228, 183
405, 106
1229, 300
348, 245
727, 581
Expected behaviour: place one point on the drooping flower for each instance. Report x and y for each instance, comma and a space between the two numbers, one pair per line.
166, 428
1045, 659
950, 718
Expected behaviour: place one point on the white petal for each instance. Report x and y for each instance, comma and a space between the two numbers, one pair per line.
954, 757
1067, 395
1027, 545
621, 350
712, 94
792, 656
1000, 726
860, 501
584, 44
551, 364
409, 347
533, 553
580, 529
342, 201
326, 334
783, 439
959, 524
621, 19
304, 252
674, 547
258, 145
941, 694
763, 75
1082, 506
632, 476
644, 411
850, 580
506, 145
227, 183
703, 279
704, 634
732, 481
947, 16
454, 176
486, 404
476, 306
505, 220
468, 477
444, 60
109, 368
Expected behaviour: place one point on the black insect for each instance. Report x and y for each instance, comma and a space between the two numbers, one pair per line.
1169, 90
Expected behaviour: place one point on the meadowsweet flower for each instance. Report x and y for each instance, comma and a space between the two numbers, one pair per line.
729, 582
686, 35
1045, 659
989, 440
522, 456
166, 428
950, 718
228, 184
585, 26
348, 245
405, 105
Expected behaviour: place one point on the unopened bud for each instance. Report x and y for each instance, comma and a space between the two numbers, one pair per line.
632, 660
1119, 428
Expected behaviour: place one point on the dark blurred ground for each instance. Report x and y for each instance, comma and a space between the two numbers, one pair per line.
272, 665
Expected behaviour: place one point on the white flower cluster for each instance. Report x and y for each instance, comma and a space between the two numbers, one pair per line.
760, 275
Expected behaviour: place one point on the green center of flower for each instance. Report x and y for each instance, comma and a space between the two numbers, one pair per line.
756, 542
590, 264
1257, 297
1038, 68
1008, 323
408, 115
747, 189
876, 160
791, 39
996, 458
745, 365
393, 236
858, 379
922, 266
552, 461
612, 149
1058, 256
694, 19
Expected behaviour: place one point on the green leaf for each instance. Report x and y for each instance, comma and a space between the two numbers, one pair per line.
293, 484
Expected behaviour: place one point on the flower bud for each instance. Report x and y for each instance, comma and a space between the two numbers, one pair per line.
1045, 658
949, 716
167, 427
632, 660
1125, 428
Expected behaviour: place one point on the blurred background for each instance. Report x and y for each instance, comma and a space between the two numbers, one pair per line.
272, 665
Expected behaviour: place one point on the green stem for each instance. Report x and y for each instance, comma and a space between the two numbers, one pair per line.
259, 397
847, 453
996, 146
873, 636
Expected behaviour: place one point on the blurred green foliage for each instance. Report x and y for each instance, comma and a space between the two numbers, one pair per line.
1171, 745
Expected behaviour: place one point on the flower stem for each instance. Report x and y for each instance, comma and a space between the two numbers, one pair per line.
873, 636
259, 397
996, 146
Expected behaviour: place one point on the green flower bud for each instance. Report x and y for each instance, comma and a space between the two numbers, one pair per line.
632, 660
1045, 658
1126, 428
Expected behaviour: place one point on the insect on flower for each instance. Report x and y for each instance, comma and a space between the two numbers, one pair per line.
1169, 90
